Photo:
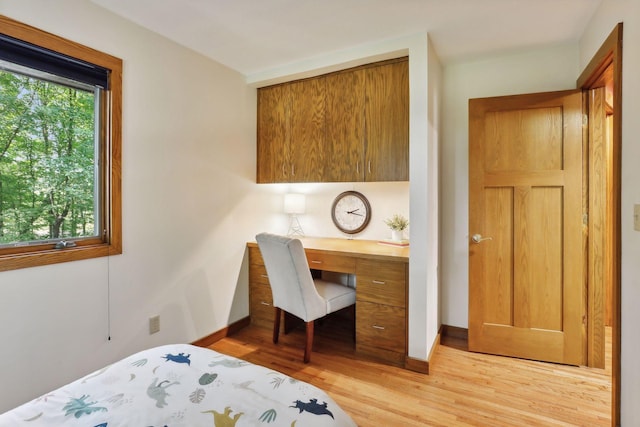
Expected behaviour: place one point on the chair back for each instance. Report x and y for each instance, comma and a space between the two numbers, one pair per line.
291, 282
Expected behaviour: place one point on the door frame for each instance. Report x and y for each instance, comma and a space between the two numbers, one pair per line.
610, 54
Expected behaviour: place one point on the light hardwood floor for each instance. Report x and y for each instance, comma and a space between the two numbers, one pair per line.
462, 389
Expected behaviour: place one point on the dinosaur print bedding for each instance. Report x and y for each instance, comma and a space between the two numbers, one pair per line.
181, 385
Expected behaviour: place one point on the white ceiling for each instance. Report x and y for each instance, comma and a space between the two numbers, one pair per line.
254, 36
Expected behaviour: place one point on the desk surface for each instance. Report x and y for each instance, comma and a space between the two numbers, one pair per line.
370, 249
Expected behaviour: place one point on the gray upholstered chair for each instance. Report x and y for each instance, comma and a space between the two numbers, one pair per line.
294, 290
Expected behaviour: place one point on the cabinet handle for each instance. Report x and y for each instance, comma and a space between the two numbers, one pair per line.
378, 282
358, 168
265, 303
264, 275
293, 170
315, 262
369, 167
284, 170
378, 327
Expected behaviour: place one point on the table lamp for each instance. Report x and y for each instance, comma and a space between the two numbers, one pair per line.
294, 205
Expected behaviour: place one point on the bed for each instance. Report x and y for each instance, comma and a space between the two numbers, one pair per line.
181, 385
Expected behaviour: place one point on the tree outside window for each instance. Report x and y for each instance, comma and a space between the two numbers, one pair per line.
47, 160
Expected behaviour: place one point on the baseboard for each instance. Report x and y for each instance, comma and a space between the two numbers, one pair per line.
454, 332
222, 333
445, 332
416, 365
435, 346
419, 365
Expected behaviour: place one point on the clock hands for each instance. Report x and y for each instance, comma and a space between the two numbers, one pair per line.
353, 212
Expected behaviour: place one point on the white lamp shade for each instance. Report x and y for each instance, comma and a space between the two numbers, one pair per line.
294, 203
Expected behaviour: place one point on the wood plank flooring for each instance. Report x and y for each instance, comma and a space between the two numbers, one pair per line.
463, 389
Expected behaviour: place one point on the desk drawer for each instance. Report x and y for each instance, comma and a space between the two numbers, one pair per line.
380, 326
329, 262
381, 282
255, 257
260, 302
258, 274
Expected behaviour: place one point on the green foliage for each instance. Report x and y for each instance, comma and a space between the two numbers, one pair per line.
47, 160
397, 222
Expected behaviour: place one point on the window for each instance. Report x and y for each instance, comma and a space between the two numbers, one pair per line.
60, 145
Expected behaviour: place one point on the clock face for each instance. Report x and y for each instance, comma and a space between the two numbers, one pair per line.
351, 212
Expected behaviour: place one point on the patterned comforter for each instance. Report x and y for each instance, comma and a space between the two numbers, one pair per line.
181, 385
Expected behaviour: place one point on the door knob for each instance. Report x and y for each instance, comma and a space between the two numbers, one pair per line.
477, 238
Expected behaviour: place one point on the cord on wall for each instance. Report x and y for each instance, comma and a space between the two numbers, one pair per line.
109, 294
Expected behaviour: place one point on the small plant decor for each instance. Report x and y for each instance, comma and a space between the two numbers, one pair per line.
397, 222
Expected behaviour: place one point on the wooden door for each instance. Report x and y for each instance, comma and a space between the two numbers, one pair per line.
344, 126
526, 259
273, 134
307, 148
387, 122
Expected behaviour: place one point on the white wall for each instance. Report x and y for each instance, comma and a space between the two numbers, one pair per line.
608, 15
189, 206
424, 300
386, 199
543, 70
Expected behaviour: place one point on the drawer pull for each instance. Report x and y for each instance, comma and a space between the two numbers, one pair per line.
378, 327
265, 303
378, 282
316, 262
264, 275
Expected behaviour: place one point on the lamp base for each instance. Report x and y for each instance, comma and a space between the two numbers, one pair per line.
295, 229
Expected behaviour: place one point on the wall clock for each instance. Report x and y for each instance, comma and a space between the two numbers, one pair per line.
351, 212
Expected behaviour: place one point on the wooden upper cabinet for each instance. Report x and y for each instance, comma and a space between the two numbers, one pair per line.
273, 134
387, 122
306, 134
347, 126
344, 126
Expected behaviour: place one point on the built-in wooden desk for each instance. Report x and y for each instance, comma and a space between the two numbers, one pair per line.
381, 275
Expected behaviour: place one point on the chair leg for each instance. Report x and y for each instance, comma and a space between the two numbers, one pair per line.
309, 342
353, 314
276, 325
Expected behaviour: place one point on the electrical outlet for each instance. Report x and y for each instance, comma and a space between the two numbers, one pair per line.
154, 324
636, 217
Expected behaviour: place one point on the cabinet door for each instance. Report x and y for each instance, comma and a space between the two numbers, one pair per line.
307, 130
387, 122
273, 134
344, 126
